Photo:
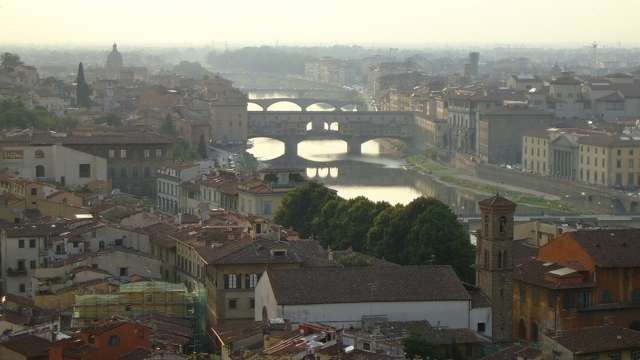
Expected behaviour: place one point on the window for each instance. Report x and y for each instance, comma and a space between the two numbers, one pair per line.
123, 154
615, 356
21, 244
123, 271
635, 355
158, 153
114, 340
252, 303
32, 243
605, 297
147, 153
481, 327
366, 346
101, 245
32, 264
85, 170
567, 300
40, 171
233, 303
635, 296
523, 293
230, 281
123, 172
267, 208
112, 173
147, 172
630, 163
503, 223
39, 154
535, 294
134, 171
112, 153
252, 281
23, 288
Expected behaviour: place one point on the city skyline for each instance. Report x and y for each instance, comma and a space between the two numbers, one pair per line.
285, 22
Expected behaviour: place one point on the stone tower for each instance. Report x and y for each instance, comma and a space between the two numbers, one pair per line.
494, 262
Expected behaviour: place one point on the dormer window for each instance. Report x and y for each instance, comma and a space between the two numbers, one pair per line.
278, 252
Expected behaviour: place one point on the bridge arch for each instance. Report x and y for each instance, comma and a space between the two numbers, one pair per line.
334, 126
391, 144
284, 105
321, 106
253, 106
349, 107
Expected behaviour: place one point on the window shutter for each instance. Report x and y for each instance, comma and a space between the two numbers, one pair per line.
247, 281
239, 279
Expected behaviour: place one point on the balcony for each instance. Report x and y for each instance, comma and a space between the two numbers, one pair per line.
16, 272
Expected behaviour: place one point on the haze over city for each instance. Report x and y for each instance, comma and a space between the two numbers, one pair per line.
319, 180
289, 22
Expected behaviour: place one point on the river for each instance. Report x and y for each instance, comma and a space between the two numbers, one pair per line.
375, 174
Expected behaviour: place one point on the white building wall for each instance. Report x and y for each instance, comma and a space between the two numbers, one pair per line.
481, 315
58, 161
10, 254
454, 314
110, 235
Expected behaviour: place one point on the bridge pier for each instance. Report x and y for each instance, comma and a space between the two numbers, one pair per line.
291, 148
354, 147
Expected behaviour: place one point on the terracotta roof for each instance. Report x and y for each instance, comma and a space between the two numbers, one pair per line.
366, 284
566, 80
514, 352
608, 141
610, 248
534, 272
598, 339
30, 346
497, 200
42, 138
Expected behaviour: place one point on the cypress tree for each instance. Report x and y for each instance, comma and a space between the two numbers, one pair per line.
82, 89
202, 147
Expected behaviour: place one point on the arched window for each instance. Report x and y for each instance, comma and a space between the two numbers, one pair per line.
40, 171
534, 331
503, 224
39, 154
522, 330
486, 225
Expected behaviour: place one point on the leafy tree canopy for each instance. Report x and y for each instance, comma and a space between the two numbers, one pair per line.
9, 60
424, 231
14, 114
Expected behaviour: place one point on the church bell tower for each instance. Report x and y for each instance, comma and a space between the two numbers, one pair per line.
494, 262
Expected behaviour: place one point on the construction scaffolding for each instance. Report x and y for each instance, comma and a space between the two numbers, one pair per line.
145, 298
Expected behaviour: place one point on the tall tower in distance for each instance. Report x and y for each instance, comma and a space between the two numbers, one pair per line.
494, 262
474, 64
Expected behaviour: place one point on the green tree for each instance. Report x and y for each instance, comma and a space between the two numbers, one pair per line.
247, 163
202, 147
14, 114
82, 89
416, 346
299, 207
9, 60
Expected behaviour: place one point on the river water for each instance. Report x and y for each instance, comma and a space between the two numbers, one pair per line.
375, 174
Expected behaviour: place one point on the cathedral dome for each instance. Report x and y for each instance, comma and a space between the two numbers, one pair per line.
114, 60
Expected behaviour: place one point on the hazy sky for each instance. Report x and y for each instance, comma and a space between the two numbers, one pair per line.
373, 22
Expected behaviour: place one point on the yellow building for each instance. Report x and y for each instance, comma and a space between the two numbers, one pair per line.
609, 160
535, 149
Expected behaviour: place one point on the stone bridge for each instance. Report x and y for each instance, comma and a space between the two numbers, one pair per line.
353, 127
304, 104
